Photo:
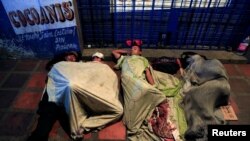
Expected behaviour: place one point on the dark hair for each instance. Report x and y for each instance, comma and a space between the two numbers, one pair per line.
186, 55
76, 54
136, 42
61, 57
138, 47
71, 53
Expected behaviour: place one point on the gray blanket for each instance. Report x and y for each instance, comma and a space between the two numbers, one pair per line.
206, 88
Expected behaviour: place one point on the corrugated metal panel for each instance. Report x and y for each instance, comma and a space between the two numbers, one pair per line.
179, 24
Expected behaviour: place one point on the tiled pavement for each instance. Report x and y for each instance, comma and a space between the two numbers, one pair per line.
21, 86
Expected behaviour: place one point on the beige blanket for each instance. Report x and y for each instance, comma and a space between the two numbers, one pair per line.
88, 91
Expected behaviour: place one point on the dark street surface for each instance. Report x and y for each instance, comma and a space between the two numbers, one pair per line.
21, 87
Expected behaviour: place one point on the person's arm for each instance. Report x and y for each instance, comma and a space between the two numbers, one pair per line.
180, 65
149, 76
117, 53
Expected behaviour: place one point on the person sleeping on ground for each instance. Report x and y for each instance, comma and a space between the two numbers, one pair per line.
206, 88
88, 91
151, 98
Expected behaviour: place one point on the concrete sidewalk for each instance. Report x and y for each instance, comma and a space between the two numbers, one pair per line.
21, 86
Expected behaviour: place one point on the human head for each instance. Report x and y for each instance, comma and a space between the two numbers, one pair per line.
98, 56
135, 46
71, 56
136, 50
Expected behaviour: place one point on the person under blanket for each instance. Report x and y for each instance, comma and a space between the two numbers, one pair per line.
49, 112
108, 111
88, 91
206, 88
146, 107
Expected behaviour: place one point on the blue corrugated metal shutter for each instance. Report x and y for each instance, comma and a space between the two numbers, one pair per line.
179, 24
